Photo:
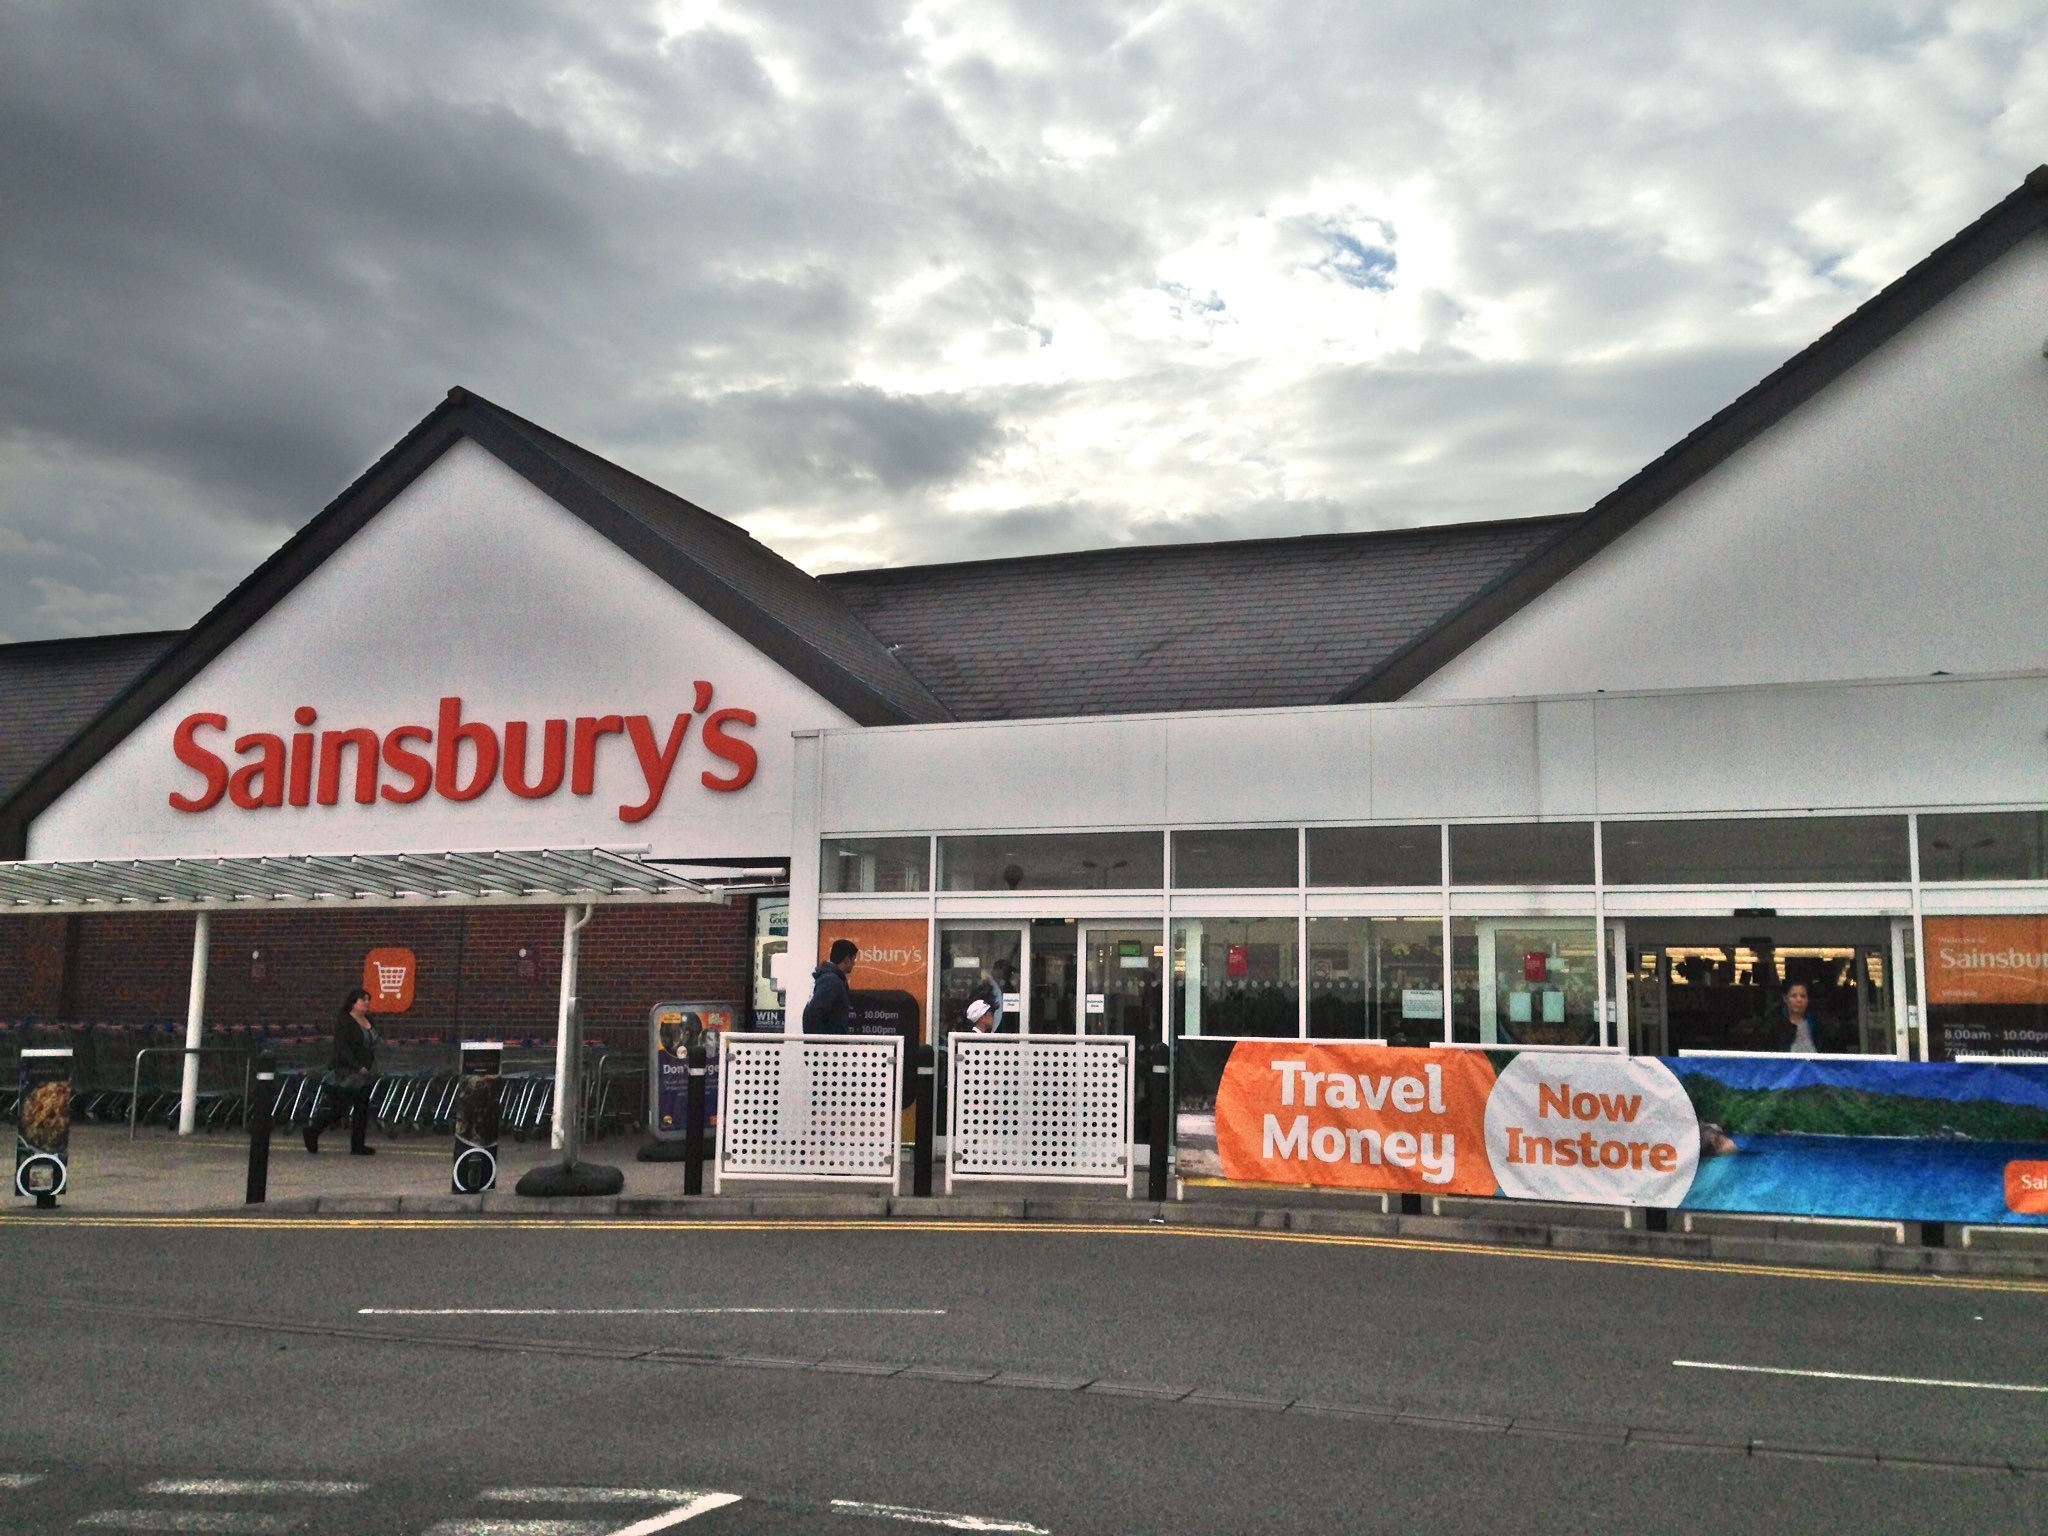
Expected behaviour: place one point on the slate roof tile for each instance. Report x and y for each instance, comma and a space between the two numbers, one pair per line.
1239, 625
50, 690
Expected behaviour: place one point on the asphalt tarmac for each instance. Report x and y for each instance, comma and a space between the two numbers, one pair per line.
470, 1378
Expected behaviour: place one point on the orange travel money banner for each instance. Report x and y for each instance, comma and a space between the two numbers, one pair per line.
1987, 960
1360, 1117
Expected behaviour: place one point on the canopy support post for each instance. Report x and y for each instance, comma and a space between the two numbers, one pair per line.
195, 1024
568, 1093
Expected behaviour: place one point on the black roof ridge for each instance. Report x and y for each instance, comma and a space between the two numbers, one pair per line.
461, 414
717, 594
1263, 541
57, 642
1762, 406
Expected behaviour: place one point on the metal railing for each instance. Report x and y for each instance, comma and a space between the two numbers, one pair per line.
218, 1108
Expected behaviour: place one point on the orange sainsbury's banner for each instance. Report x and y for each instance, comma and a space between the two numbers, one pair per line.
1364, 1117
1987, 960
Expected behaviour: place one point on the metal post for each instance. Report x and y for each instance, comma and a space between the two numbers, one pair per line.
693, 1123
921, 1146
195, 1022
257, 1109
1157, 1110
568, 1090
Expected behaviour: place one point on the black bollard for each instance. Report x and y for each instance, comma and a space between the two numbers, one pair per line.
1933, 1234
1656, 1219
1159, 1109
693, 1123
262, 1104
921, 1147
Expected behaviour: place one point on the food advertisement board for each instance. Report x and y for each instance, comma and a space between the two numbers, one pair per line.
477, 1117
1797, 1135
42, 1126
672, 1028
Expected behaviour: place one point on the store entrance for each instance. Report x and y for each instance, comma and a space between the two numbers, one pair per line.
1122, 981
1705, 984
1054, 976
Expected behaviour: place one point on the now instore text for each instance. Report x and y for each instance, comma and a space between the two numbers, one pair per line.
312, 769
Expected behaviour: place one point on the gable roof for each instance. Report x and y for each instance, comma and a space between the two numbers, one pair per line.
50, 690
1254, 623
1868, 327
753, 591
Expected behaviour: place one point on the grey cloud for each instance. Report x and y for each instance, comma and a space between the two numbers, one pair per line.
863, 278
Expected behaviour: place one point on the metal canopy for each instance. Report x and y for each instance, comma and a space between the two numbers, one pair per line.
497, 877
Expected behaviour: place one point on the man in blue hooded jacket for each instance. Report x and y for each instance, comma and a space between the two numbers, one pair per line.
830, 1010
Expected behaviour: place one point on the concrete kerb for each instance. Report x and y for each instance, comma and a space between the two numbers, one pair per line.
1060, 1210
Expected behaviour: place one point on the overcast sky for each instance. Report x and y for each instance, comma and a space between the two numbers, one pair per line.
892, 284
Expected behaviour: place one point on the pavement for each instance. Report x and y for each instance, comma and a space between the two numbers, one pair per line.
496, 1377
204, 1175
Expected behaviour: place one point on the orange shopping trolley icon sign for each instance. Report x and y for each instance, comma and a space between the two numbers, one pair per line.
388, 978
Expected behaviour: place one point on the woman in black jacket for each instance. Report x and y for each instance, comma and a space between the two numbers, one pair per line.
348, 1084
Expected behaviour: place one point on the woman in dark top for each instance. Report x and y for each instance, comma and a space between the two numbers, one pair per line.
348, 1084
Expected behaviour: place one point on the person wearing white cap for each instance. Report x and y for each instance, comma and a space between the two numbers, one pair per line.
981, 1018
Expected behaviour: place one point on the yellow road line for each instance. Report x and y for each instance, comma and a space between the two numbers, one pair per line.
1092, 1229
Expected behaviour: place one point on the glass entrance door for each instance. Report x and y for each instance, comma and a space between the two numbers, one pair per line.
1704, 986
1120, 981
984, 961
1054, 992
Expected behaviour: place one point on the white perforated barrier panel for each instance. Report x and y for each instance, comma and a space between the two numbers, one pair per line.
1035, 1107
809, 1107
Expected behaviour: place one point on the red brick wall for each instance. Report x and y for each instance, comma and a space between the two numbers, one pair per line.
292, 969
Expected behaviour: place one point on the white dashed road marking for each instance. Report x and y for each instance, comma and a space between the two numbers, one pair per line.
579, 1495
686, 1504
599, 1496
1891, 1381
244, 1524
703, 1504
650, 1311
20, 1479
936, 1517
231, 1487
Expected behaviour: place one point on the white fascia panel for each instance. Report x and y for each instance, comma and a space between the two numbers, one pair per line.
470, 584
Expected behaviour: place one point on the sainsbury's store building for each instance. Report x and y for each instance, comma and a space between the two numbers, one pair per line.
1775, 711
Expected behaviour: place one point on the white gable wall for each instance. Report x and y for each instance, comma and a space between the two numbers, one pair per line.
472, 584
1895, 525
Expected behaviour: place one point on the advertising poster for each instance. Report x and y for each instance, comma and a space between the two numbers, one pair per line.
1987, 986
771, 938
672, 1028
477, 1115
42, 1127
1793, 1135
889, 977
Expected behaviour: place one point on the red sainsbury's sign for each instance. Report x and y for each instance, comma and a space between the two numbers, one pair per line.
454, 758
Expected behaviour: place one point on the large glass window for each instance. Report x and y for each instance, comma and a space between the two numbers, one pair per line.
1065, 861
1376, 856
1984, 845
1523, 853
847, 864
1765, 850
1526, 981
1238, 860
1236, 976
1376, 978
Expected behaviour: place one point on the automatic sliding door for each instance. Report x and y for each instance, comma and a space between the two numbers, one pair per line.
984, 962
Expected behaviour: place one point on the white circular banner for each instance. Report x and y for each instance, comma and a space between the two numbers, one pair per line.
1599, 1130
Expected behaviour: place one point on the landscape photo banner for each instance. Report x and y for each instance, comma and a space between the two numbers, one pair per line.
1781, 1135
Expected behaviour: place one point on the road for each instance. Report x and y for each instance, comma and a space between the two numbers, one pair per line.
471, 1378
